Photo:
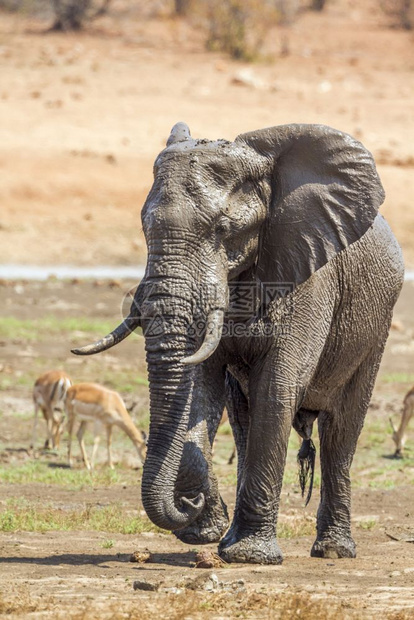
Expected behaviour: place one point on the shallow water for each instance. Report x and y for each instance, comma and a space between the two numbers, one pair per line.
62, 272
43, 272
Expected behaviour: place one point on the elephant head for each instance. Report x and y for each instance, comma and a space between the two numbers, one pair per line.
280, 202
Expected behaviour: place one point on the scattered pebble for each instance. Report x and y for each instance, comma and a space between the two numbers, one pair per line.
146, 585
211, 583
402, 533
246, 77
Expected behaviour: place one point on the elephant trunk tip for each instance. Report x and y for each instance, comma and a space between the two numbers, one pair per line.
168, 516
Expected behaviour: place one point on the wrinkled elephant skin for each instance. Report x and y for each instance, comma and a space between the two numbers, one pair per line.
269, 289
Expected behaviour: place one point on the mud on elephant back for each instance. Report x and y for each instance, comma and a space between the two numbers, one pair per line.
269, 289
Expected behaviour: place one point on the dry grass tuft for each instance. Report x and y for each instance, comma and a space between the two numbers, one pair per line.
185, 605
20, 602
202, 606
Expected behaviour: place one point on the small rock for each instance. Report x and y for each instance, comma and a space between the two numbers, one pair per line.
114, 284
400, 533
238, 586
209, 583
324, 87
212, 583
146, 585
172, 590
397, 325
111, 159
140, 557
246, 77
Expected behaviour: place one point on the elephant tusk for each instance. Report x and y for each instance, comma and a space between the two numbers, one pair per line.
211, 339
117, 335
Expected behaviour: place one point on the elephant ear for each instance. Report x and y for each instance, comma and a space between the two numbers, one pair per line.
325, 194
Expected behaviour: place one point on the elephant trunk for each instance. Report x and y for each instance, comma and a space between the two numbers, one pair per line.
173, 347
171, 386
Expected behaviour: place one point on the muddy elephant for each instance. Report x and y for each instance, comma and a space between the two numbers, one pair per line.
270, 284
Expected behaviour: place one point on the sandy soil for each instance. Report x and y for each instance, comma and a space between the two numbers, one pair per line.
82, 118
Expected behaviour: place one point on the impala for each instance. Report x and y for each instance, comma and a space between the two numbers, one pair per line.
398, 434
48, 394
90, 402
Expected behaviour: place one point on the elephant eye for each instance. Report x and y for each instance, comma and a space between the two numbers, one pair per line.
218, 174
223, 226
246, 187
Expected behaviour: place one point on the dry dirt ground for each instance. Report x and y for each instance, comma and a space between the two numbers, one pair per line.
81, 119
52, 567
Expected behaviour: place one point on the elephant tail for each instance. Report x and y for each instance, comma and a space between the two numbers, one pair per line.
306, 462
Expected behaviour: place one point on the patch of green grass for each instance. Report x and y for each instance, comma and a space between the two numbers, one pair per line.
229, 480
396, 377
20, 515
296, 527
224, 429
125, 380
37, 471
382, 483
367, 524
42, 328
108, 544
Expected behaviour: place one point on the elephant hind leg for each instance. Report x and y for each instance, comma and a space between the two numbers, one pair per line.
238, 411
339, 429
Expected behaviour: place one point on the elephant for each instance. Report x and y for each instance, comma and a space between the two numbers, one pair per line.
269, 288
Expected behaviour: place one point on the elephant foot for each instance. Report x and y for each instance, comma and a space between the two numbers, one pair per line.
196, 535
333, 549
250, 549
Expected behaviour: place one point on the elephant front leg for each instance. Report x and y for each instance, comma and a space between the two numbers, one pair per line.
252, 536
196, 470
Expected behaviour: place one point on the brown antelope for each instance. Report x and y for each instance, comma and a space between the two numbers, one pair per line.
225, 418
398, 434
48, 394
90, 402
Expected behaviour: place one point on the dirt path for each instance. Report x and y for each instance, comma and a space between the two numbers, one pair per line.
75, 573
87, 574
